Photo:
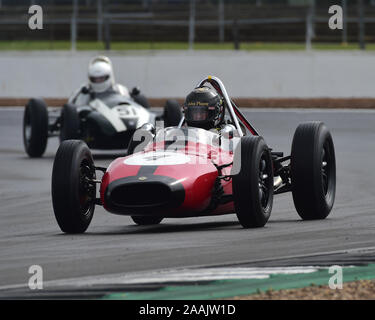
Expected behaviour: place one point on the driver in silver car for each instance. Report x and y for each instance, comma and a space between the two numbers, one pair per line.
101, 81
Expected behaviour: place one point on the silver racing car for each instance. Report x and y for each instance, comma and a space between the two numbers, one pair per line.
107, 122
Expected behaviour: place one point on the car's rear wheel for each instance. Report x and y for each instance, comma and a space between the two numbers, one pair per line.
142, 100
146, 221
73, 191
139, 141
69, 123
313, 171
35, 127
172, 113
253, 183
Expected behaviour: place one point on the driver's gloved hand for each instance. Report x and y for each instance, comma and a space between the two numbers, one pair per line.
85, 90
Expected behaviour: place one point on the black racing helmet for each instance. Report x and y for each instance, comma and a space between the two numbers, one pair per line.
203, 108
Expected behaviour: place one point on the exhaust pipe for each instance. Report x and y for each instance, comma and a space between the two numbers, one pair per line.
277, 182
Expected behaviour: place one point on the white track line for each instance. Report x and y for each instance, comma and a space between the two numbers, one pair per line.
172, 275
215, 269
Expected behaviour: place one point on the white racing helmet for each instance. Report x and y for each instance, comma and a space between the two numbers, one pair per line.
100, 74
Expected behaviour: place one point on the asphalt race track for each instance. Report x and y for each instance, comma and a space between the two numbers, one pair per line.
30, 235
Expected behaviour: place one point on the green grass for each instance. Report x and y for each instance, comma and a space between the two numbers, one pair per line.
122, 46
273, 46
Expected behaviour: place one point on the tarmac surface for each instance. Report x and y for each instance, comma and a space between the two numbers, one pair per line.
29, 234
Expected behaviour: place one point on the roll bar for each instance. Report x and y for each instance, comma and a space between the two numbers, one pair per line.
219, 86
235, 113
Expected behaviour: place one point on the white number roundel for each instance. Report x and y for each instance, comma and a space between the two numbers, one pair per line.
157, 158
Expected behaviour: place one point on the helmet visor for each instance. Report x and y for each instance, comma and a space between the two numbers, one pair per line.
196, 113
99, 79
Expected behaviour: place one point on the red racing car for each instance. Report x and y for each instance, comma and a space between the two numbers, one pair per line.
188, 171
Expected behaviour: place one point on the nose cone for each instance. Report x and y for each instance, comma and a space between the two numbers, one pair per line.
145, 183
150, 194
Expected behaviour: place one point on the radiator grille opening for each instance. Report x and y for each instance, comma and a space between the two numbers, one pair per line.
140, 194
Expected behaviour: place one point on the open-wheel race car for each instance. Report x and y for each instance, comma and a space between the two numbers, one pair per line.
183, 171
107, 121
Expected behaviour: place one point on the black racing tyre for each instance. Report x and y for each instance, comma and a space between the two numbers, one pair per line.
146, 221
142, 100
73, 196
172, 113
69, 123
253, 184
139, 140
35, 127
313, 171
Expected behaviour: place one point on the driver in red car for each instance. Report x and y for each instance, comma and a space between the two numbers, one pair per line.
204, 108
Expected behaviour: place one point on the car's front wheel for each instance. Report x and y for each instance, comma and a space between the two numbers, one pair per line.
73, 189
35, 127
253, 182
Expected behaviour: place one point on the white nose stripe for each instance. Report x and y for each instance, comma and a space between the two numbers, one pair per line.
157, 158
